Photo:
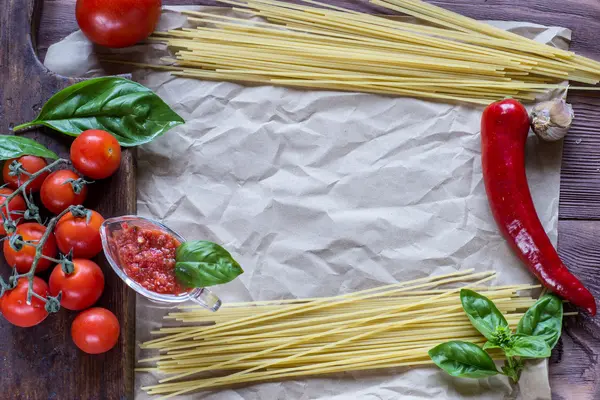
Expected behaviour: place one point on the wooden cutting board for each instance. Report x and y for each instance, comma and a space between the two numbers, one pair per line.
42, 362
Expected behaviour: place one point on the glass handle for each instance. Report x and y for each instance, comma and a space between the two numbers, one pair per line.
206, 299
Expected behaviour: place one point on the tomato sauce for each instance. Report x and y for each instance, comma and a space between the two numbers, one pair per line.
148, 257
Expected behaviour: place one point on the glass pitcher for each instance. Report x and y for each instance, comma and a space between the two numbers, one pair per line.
201, 296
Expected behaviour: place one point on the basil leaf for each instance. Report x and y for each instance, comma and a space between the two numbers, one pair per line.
201, 274
528, 347
463, 359
17, 146
544, 320
202, 264
202, 251
131, 112
489, 345
484, 315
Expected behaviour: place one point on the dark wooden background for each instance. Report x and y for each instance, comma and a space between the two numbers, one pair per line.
575, 368
42, 362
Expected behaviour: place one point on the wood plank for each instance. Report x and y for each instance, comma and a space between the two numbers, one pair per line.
580, 173
42, 362
574, 366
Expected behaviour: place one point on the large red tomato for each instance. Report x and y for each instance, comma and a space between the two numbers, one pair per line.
22, 259
57, 192
95, 330
31, 164
16, 204
81, 288
79, 235
96, 154
14, 305
117, 23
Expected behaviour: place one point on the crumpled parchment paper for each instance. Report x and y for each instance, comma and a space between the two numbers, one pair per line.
318, 193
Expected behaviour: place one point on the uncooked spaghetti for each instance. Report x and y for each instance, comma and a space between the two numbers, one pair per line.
442, 55
390, 326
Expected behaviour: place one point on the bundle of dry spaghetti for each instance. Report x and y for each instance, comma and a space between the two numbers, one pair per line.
442, 55
389, 326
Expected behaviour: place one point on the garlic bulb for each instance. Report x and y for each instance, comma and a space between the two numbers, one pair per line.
551, 120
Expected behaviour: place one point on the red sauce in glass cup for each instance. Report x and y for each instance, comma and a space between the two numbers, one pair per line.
148, 257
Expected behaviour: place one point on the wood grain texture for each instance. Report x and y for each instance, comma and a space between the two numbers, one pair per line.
574, 367
42, 362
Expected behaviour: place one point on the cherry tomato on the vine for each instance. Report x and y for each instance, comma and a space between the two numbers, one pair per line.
14, 305
31, 164
79, 235
22, 259
117, 23
95, 330
96, 154
16, 204
59, 191
81, 288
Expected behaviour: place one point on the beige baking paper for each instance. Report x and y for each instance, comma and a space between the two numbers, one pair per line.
318, 193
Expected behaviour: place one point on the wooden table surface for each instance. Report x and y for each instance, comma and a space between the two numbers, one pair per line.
42, 362
575, 368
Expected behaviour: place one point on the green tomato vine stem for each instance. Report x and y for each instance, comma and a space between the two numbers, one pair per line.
52, 303
39, 248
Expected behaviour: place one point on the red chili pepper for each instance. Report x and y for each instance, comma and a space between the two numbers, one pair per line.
504, 130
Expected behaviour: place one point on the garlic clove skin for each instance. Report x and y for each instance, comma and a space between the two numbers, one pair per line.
551, 120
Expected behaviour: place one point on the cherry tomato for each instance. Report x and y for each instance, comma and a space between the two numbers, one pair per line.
117, 23
22, 259
14, 305
31, 164
96, 154
81, 288
57, 192
80, 235
16, 204
95, 331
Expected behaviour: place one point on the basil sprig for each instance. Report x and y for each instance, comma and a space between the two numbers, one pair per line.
131, 112
17, 146
202, 264
536, 335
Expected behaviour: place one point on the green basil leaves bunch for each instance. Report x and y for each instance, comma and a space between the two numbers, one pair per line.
535, 337
201, 264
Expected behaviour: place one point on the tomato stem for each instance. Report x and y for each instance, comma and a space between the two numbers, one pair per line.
52, 303
66, 262
40, 248
54, 260
37, 296
77, 184
3, 286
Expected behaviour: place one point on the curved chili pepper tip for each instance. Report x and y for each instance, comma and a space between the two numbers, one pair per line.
592, 310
